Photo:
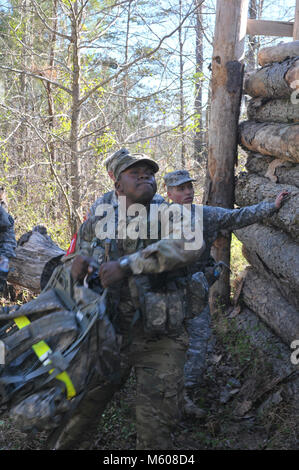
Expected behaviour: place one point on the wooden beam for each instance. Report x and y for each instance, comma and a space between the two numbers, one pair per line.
296, 24
271, 28
227, 75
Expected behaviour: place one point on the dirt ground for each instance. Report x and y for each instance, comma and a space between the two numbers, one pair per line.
231, 362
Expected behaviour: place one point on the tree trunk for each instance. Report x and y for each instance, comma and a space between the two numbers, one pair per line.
252, 189
182, 98
278, 140
227, 76
275, 255
262, 297
286, 173
274, 110
75, 121
278, 53
199, 134
273, 81
252, 40
35, 254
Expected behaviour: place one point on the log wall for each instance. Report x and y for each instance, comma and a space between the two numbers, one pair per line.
270, 138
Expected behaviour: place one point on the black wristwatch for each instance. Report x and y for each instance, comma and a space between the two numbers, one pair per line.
124, 264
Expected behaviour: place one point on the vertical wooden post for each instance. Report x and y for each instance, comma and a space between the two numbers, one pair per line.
296, 23
227, 76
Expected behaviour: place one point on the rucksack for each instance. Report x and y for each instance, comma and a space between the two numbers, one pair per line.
56, 346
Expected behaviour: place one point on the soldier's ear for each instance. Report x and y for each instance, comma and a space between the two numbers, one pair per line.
118, 185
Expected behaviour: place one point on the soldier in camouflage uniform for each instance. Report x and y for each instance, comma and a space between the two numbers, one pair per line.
157, 354
7, 244
158, 358
179, 185
180, 190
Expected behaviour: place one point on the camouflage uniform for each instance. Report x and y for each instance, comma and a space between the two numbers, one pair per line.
158, 359
215, 219
7, 244
7, 235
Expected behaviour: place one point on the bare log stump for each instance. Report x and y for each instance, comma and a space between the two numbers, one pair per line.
273, 81
252, 189
35, 254
277, 140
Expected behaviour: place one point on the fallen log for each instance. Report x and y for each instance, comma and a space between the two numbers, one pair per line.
277, 140
36, 256
252, 189
262, 296
278, 80
278, 53
285, 173
274, 254
272, 110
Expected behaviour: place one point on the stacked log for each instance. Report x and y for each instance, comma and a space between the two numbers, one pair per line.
270, 137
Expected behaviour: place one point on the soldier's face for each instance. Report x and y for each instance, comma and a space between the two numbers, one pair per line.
182, 194
137, 183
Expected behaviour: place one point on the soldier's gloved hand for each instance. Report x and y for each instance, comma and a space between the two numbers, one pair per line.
81, 267
282, 197
110, 273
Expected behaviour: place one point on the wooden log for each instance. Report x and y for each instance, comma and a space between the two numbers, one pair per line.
278, 53
226, 91
277, 140
285, 173
272, 110
269, 28
274, 356
261, 295
274, 254
252, 189
35, 254
278, 80
283, 287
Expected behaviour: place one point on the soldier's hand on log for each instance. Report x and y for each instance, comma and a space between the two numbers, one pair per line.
81, 267
282, 196
110, 273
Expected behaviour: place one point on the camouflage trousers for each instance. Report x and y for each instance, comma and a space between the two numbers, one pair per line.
158, 365
199, 331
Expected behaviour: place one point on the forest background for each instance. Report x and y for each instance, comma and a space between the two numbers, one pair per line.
81, 78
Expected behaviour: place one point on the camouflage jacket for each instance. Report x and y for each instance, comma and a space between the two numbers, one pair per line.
216, 219
7, 234
146, 255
